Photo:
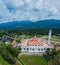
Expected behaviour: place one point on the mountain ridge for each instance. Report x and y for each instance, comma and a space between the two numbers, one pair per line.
29, 24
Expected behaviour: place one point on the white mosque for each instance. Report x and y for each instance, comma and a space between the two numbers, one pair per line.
36, 44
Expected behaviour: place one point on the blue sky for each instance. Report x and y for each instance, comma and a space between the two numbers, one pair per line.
34, 10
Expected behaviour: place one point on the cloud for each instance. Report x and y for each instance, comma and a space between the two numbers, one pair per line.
34, 10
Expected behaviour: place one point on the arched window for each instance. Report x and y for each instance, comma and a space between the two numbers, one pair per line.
41, 49
27, 48
33, 49
38, 49
44, 48
38, 45
24, 49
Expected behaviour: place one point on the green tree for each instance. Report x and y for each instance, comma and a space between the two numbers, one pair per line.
50, 54
55, 61
13, 50
6, 54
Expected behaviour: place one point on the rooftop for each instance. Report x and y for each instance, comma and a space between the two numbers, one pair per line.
34, 40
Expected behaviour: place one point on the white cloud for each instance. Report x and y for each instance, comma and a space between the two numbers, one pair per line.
28, 9
54, 10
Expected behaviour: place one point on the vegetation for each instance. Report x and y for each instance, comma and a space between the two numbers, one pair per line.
33, 60
56, 60
13, 51
50, 54
3, 62
8, 53
53, 57
17, 38
26, 31
55, 38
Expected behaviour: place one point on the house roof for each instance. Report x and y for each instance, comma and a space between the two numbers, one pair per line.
36, 40
14, 42
58, 48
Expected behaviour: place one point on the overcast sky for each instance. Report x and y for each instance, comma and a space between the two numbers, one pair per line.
34, 10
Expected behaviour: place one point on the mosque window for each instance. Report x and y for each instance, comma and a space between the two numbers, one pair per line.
44, 48
24, 48
27, 49
41, 49
33, 45
33, 49
38, 49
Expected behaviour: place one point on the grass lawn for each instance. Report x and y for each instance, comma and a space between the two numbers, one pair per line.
55, 38
3, 62
33, 60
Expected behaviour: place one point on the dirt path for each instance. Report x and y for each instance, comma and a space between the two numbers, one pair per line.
18, 62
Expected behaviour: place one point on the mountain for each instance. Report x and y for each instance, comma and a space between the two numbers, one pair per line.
29, 24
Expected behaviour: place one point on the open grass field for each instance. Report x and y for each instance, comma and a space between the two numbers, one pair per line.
33, 60
56, 38
3, 62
